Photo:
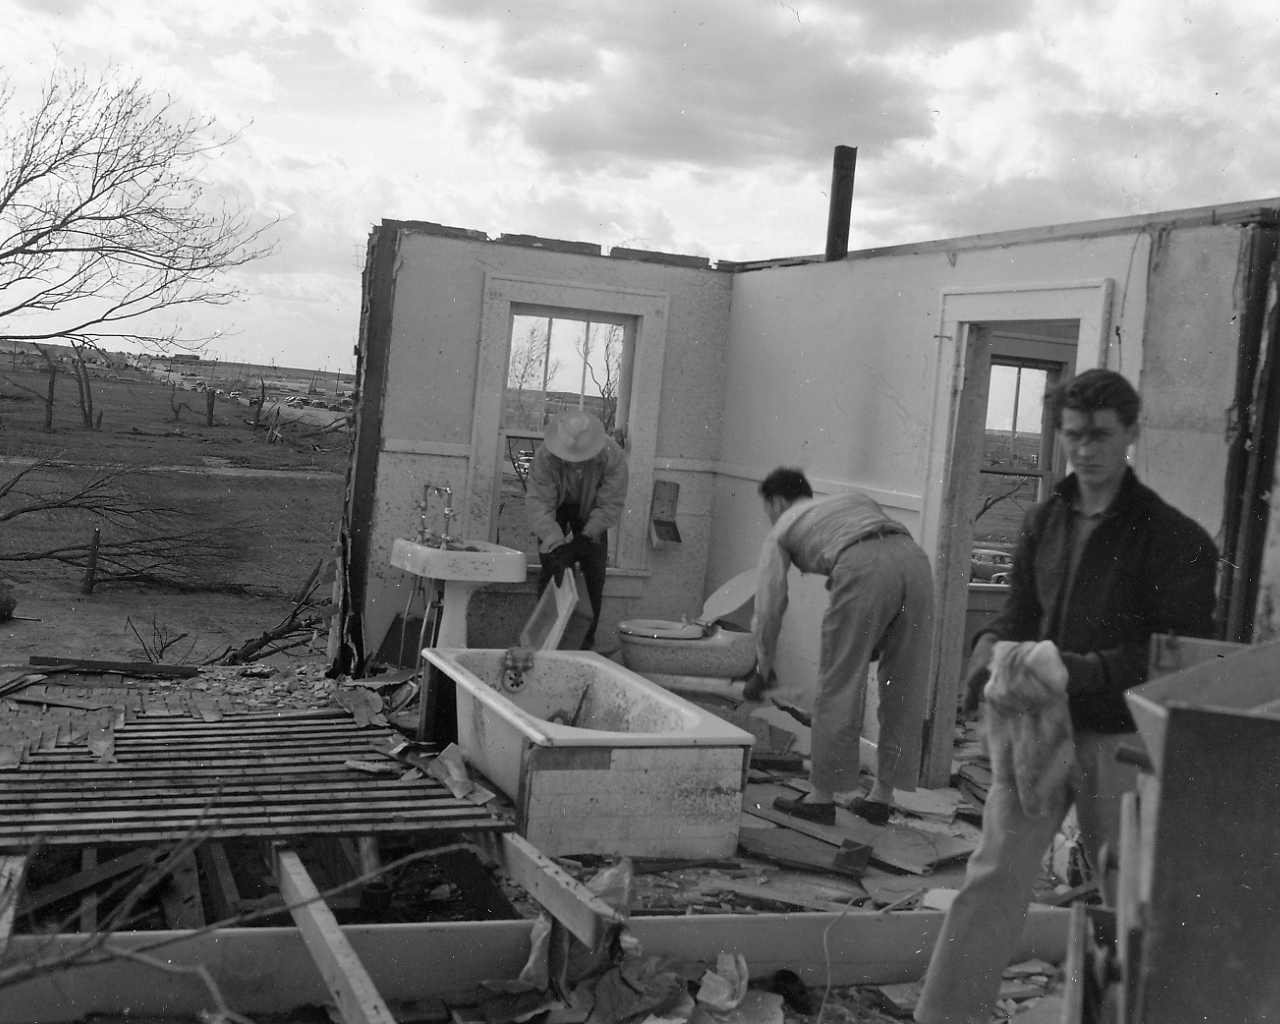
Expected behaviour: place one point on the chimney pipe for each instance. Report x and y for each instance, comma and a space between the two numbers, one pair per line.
846, 157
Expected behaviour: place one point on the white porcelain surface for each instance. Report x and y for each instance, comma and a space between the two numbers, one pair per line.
487, 563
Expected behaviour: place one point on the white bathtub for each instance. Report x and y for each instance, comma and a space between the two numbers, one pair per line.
641, 772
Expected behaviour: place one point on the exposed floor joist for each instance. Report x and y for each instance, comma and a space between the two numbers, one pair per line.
11, 871
583, 913
344, 975
271, 971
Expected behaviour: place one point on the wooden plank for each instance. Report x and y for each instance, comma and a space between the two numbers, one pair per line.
898, 846
142, 669
70, 886
58, 702
180, 898
583, 913
167, 832
89, 901
1073, 985
794, 892
344, 975
795, 849
12, 871
223, 892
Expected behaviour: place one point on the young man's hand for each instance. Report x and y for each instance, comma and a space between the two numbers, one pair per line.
757, 685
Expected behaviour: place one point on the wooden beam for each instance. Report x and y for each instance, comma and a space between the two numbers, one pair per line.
128, 668
89, 901
587, 916
12, 870
344, 975
223, 891
180, 898
70, 886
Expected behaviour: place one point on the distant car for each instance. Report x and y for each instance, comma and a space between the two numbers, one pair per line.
233, 394
524, 460
989, 565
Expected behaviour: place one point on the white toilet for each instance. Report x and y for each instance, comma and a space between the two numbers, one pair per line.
705, 647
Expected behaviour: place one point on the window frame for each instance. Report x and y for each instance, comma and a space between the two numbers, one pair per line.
648, 310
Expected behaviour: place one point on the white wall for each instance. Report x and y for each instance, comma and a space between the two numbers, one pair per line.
429, 405
835, 367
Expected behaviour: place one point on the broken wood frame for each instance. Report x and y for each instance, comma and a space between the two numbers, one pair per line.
364, 968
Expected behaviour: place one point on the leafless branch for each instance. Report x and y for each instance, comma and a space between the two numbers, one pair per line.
105, 226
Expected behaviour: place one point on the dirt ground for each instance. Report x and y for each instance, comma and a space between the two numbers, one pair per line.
271, 498
101, 626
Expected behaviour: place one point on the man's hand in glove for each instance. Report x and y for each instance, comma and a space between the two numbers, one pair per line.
757, 685
562, 559
979, 671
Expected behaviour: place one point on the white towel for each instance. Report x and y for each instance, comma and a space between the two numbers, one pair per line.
1028, 725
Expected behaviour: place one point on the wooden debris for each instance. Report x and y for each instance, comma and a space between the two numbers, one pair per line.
581, 912
138, 669
54, 700
793, 849
132, 861
898, 846
373, 767
224, 894
902, 998
792, 890
931, 804
180, 898
344, 975
12, 871
364, 705
89, 901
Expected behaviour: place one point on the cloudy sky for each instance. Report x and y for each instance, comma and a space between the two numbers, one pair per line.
692, 126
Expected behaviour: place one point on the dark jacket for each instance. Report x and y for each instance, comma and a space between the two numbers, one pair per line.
1145, 569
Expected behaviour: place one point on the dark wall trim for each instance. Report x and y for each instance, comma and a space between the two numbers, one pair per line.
373, 352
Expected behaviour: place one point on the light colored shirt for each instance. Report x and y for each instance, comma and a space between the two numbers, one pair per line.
810, 535
598, 486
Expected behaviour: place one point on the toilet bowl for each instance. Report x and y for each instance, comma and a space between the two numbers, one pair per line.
704, 647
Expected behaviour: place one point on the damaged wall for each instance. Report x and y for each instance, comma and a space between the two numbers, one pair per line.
427, 434
838, 368
847, 369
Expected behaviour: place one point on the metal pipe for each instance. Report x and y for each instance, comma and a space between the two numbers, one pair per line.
846, 158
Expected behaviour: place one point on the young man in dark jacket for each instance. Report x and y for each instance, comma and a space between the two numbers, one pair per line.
1101, 565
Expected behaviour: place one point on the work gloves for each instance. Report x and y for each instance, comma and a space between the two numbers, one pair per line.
979, 671
562, 559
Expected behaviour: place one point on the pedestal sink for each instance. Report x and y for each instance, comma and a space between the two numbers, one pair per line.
461, 567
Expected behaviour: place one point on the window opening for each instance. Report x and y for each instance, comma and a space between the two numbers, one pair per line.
557, 361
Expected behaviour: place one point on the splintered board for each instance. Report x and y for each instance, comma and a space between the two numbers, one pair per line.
277, 774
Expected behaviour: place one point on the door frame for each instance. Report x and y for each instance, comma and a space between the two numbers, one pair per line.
959, 403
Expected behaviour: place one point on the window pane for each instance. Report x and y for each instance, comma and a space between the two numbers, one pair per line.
1010, 482
555, 363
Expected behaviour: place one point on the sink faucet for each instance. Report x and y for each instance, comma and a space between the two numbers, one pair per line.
449, 513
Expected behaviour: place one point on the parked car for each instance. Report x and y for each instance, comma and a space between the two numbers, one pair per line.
989, 565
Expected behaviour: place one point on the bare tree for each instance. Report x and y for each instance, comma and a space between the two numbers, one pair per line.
145, 540
50, 390
610, 374
105, 227
529, 369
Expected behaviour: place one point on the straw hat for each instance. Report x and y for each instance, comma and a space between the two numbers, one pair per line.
574, 436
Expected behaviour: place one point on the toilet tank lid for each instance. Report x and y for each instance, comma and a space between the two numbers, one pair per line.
730, 596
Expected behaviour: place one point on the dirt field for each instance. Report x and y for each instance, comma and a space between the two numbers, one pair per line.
260, 514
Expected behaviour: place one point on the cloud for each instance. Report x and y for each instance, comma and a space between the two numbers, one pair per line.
715, 85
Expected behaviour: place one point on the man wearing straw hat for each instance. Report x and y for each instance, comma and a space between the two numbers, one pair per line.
577, 490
